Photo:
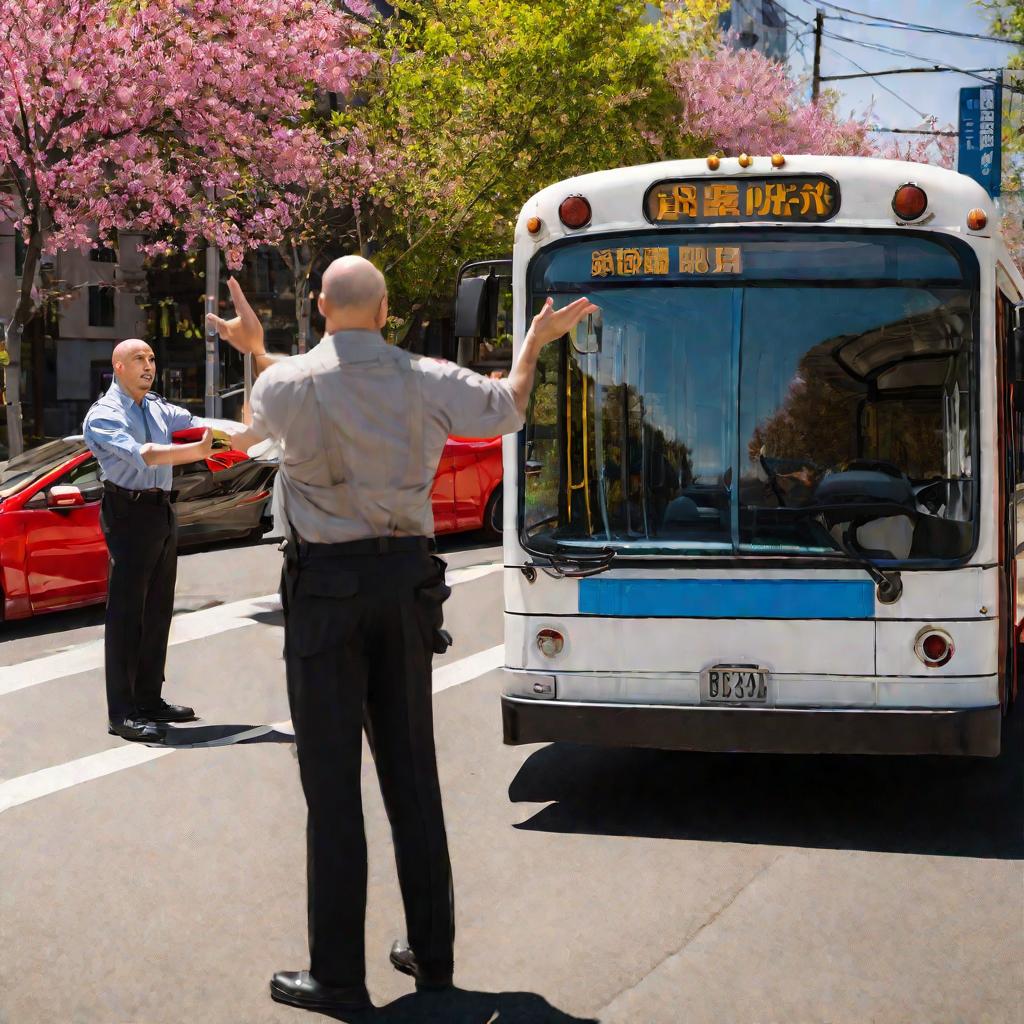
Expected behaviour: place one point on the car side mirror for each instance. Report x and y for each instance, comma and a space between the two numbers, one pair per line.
64, 496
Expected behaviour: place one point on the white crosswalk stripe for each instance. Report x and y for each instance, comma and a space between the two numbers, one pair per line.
184, 629
46, 781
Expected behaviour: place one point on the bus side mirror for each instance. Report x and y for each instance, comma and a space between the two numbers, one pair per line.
476, 307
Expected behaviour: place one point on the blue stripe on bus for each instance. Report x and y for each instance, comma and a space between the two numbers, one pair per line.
728, 599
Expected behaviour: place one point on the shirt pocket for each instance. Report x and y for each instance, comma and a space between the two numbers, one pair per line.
323, 610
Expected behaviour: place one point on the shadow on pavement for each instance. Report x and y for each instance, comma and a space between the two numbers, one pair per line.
448, 542
961, 807
221, 735
460, 1006
53, 622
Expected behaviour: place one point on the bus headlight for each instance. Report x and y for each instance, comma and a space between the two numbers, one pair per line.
934, 647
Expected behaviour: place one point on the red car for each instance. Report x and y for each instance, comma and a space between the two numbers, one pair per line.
52, 551
467, 488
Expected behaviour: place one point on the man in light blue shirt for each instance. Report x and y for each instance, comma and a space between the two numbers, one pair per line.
129, 430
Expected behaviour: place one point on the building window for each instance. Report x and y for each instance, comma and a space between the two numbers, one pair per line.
101, 306
101, 254
19, 254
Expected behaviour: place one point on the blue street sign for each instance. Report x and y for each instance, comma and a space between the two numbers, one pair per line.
980, 126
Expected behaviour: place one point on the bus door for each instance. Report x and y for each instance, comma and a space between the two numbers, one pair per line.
1010, 341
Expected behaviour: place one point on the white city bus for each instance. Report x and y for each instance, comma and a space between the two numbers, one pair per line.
765, 500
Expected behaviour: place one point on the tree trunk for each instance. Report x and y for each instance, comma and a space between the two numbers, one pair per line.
301, 266
22, 315
12, 390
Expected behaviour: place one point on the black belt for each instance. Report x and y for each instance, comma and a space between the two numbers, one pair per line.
156, 496
370, 546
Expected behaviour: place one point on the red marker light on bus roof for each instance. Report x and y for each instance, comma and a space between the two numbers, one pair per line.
574, 212
909, 201
976, 219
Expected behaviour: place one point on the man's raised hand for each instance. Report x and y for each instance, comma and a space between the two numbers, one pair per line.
244, 332
550, 323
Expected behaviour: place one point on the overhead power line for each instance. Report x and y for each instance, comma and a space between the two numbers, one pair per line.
913, 131
938, 68
867, 74
879, 21
896, 52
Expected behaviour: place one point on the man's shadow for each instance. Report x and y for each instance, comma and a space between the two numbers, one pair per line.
460, 1006
200, 736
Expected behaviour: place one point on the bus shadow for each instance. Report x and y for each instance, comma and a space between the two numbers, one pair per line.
956, 807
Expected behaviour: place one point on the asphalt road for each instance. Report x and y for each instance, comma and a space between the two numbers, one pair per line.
149, 886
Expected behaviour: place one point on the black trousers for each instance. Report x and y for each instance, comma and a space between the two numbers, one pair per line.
359, 638
142, 541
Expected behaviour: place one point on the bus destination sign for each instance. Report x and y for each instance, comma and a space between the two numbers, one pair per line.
662, 261
807, 199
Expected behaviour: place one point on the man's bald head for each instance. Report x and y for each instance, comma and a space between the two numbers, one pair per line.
134, 366
353, 295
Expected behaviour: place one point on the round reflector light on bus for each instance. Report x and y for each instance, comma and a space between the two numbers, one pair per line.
533, 225
909, 201
550, 642
977, 219
574, 212
934, 647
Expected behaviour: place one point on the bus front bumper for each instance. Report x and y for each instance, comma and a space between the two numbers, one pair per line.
966, 731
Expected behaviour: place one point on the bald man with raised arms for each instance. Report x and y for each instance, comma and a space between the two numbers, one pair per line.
129, 431
362, 425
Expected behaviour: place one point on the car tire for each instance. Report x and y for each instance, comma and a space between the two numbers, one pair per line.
493, 515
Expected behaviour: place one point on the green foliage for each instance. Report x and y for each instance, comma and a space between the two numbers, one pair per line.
1008, 23
476, 104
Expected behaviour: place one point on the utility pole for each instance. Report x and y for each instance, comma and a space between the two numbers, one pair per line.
819, 24
212, 408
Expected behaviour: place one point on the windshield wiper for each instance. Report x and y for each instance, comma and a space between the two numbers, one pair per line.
888, 582
576, 564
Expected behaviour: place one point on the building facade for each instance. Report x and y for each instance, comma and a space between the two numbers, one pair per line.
100, 297
757, 25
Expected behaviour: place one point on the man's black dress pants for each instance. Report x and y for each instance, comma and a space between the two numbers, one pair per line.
359, 638
142, 542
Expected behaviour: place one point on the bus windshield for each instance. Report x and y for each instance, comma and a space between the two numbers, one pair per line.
765, 392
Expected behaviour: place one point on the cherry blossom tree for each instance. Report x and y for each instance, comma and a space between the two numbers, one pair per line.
737, 100
181, 120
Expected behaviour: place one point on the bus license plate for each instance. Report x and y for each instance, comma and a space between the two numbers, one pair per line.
734, 684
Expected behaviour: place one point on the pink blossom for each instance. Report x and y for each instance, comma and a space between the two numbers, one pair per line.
168, 117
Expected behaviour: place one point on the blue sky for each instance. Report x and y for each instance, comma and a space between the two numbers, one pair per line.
930, 94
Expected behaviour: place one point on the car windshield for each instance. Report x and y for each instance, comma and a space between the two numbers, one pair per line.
756, 394
25, 469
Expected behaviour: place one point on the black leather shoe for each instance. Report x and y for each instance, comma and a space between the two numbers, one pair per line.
164, 712
431, 979
300, 988
137, 729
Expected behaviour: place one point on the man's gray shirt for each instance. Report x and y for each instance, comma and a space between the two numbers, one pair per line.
363, 425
